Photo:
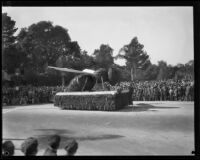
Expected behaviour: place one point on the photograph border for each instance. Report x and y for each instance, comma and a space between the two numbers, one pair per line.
196, 28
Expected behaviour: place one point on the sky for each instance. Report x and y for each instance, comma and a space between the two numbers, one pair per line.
165, 32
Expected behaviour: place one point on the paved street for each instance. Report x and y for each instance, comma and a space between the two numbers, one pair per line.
147, 128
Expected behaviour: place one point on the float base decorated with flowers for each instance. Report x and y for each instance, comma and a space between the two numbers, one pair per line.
101, 100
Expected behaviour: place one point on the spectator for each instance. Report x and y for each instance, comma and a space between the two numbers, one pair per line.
8, 148
54, 142
29, 146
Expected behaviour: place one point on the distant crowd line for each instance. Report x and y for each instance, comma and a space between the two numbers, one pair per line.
168, 90
23, 95
30, 147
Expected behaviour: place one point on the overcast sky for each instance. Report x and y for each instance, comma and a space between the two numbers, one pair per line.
165, 32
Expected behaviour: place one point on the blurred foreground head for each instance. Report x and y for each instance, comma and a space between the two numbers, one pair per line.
54, 141
29, 146
71, 147
8, 148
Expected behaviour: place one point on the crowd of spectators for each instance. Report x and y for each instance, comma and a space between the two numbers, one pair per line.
23, 95
30, 147
168, 90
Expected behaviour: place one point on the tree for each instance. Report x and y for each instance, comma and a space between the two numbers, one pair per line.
62, 62
124, 73
87, 61
8, 30
170, 72
115, 74
162, 74
189, 69
103, 56
74, 49
151, 72
135, 56
43, 43
12, 59
8, 41
75, 56
185, 71
68, 61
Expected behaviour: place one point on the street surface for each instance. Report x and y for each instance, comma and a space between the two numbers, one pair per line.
146, 128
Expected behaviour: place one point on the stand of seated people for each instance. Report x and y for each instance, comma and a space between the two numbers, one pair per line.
30, 147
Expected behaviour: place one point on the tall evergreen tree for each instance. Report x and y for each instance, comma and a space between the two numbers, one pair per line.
135, 56
8, 30
8, 43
